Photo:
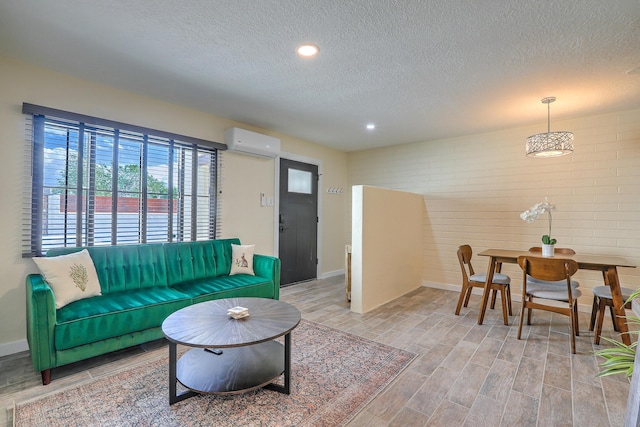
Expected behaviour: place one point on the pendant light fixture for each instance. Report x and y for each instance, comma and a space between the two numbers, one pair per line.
550, 144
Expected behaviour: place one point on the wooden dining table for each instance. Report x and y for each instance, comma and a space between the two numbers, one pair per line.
608, 265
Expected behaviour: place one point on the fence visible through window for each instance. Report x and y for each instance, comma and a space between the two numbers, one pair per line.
99, 185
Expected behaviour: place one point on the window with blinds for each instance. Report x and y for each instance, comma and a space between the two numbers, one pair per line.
97, 182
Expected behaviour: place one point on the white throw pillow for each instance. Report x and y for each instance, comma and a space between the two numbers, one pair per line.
242, 259
72, 277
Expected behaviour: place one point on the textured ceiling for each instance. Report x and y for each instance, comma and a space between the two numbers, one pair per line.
418, 69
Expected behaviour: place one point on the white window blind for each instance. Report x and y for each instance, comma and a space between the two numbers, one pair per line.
98, 182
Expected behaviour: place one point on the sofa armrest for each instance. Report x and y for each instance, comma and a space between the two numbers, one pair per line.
269, 267
41, 320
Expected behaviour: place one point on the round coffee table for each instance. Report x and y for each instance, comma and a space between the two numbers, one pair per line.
230, 355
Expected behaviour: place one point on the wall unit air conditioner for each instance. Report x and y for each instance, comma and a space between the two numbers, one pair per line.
252, 143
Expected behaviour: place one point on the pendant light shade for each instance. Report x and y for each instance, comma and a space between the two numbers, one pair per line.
550, 144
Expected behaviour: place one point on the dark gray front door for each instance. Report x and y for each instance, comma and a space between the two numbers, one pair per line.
298, 221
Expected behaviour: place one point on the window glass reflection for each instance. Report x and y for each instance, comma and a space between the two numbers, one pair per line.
299, 181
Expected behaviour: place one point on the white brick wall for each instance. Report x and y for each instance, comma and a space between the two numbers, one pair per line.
476, 186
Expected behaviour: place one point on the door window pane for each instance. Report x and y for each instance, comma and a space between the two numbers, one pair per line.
299, 181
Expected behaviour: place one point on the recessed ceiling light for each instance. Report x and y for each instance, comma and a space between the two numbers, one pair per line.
308, 50
371, 126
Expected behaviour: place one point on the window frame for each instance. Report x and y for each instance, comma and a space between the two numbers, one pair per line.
200, 153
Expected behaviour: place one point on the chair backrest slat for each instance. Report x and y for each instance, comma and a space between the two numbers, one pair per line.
567, 251
550, 269
464, 257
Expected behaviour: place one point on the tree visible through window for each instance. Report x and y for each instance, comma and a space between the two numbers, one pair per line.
128, 177
100, 185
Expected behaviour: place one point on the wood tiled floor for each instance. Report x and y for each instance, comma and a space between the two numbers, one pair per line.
469, 374
465, 374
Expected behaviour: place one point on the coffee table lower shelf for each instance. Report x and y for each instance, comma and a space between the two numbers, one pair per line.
236, 370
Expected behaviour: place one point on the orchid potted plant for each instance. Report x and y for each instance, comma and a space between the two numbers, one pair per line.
532, 214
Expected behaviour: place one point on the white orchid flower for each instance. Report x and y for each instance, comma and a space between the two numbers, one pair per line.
536, 210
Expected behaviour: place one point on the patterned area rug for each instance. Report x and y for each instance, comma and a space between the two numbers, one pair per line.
334, 375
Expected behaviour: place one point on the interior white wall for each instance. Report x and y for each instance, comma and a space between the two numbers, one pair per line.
386, 248
476, 186
240, 194
243, 177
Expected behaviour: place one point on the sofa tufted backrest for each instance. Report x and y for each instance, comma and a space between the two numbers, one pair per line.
197, 260
125, 267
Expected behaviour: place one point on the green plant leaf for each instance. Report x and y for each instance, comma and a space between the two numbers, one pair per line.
547, 240
619, 359
633, 296
621, 370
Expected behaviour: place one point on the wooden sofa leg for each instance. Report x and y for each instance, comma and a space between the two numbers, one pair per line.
46, 376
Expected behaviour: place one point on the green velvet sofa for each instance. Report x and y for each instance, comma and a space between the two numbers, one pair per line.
141, 285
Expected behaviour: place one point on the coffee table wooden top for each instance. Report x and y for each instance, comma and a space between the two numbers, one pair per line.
207, 324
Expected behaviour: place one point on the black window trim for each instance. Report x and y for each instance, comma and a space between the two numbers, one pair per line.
97, 121
42, 114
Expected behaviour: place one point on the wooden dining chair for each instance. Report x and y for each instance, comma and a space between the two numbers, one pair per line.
471, 279
534, 295
601, 300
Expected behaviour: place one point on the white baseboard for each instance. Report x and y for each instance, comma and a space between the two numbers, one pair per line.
331, 274
583, 308
446, 287
13, 347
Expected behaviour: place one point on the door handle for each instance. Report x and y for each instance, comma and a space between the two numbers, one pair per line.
281, 222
